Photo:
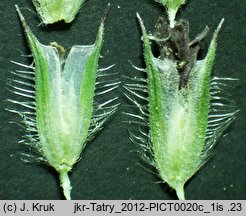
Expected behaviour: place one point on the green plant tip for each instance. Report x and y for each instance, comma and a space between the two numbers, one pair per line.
172, 7
52, 11
172, 4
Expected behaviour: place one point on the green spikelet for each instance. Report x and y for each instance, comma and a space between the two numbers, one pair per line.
62, 115
185, 113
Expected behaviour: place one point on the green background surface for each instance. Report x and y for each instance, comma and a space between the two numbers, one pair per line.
110, 167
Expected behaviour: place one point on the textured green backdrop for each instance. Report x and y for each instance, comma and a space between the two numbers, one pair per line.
110, 168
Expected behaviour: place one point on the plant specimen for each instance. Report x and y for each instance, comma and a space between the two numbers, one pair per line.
52, 11
186, 110
62, 114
